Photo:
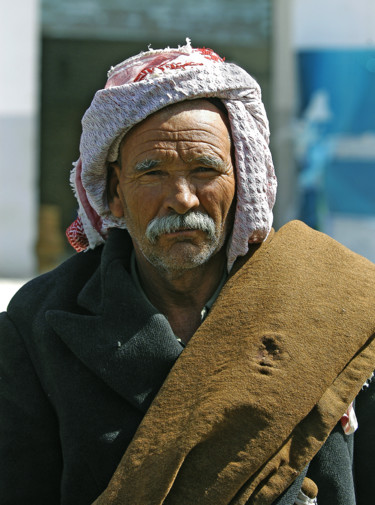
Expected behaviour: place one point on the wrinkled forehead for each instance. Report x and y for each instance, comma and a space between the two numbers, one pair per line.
176, 113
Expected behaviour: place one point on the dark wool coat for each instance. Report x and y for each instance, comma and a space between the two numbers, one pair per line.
81, 359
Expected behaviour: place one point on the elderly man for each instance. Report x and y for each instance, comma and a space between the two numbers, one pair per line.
191, 355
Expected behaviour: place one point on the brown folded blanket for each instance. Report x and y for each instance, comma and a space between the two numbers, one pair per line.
284, 350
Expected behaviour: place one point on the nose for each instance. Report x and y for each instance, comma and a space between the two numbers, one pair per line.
181, 196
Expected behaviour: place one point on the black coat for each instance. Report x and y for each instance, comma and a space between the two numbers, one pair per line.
81, 359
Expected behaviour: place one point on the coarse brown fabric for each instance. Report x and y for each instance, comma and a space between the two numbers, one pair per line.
284, 350
309, 488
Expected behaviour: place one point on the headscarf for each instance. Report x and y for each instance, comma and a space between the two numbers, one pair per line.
146, 83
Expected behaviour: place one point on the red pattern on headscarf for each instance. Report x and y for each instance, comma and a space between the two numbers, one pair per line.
172, 66
209, 53
76, 236
75, 233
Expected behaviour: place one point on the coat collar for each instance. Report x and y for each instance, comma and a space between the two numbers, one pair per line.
122, 339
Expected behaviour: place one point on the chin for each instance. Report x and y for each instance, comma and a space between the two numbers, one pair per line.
181, 261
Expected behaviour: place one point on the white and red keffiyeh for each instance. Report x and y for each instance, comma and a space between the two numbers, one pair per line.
349, 421
145, 84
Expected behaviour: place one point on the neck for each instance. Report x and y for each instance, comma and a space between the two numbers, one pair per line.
181, 296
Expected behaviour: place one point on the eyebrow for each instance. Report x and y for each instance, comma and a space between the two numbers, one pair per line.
208, 161
212, 161
145, 165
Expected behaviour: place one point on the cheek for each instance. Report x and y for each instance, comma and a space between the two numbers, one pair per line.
229, 191
140, 205
218, 197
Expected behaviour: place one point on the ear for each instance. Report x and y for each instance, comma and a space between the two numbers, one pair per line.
113, 181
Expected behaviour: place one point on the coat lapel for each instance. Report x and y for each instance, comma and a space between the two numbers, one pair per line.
122, 339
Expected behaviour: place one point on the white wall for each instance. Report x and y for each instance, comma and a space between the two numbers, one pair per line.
333, 23
19, 72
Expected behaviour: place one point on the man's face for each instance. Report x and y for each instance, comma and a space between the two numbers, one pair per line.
176, 163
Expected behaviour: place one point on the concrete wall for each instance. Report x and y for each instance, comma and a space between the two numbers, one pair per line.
18, 136
283, 103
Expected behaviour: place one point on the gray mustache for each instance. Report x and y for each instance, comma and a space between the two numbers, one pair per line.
177, 222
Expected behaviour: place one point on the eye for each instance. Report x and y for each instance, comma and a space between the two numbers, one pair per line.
204, 169
154, 172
